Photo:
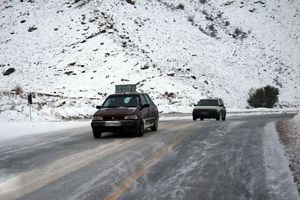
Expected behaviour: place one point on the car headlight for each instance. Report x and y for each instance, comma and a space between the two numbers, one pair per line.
98, 118
131, 117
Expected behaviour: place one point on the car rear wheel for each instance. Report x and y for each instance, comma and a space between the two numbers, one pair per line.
155, 126
140, 129
201, 119
97, 133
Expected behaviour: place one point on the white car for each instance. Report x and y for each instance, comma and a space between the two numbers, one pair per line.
210, 108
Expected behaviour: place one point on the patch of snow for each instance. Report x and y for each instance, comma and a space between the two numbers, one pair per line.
11, 129
279, 176
231, 113
296, 119
259, 111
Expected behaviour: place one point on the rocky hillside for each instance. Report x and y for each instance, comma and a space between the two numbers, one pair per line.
177, 51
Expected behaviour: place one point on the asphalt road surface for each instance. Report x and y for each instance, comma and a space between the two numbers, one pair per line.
182, 160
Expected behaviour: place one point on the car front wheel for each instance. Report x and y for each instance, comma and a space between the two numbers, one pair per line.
155, 126
218, 116
224, 117
97, 133
140, 129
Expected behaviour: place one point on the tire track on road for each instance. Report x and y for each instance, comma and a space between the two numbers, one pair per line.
157, 156
28, 182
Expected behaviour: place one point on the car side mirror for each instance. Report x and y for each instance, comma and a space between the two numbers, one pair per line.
98, 107
145, 106
195, 104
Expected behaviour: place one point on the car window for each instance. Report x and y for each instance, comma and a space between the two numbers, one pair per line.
121, 101
149, 101
143, 100
221, 102
208, 102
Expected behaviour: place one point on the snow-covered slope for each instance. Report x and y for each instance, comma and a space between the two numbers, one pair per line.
177, 51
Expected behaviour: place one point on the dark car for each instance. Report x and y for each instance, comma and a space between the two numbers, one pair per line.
210, 108
129, 112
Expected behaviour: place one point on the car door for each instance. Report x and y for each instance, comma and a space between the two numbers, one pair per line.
144, 112
153, 112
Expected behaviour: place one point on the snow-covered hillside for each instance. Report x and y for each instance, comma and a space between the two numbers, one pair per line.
177, 51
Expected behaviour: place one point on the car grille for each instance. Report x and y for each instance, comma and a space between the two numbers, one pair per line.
113, 118
207, 110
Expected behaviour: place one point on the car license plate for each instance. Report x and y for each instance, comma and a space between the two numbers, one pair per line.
112, 123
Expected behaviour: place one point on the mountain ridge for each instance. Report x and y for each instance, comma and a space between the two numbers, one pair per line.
177, 51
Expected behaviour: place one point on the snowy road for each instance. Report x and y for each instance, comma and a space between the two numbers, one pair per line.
184, 160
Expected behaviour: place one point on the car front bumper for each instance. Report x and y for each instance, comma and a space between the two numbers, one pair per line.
205, 113
116, 126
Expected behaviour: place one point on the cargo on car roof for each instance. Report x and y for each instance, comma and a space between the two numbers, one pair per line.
129, 88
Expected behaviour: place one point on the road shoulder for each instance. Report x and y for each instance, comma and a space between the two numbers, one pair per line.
289, 134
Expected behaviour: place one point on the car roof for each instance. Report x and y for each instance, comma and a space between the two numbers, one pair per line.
211, 99
127, 94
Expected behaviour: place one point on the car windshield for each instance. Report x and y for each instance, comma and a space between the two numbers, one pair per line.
208, 102
121, 101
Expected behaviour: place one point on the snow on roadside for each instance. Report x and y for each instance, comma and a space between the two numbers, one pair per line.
231, 113
11, 129
279, 176
296, 119
46, 107
259, 111
289, 133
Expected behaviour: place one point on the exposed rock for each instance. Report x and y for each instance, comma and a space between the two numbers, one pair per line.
171, 74
32, 28
92, 20
169, 95
70, 73
180, 6
9, 71
72, 64
124, 44
146, 66
132, 2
